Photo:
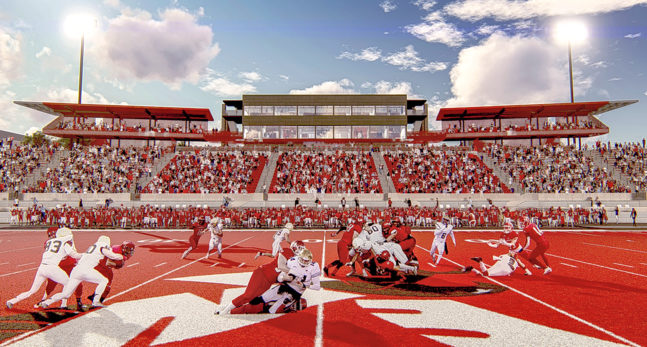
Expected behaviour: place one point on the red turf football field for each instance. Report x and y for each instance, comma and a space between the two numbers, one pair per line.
596, 295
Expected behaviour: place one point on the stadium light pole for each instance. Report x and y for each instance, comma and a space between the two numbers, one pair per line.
76, 25
570, 32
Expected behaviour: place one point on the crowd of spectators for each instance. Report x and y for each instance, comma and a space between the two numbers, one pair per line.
18, 160
312, 171
474, 128
442, 170
206, 171
165, 217
630, 159
99, 169
119, 126
553, 169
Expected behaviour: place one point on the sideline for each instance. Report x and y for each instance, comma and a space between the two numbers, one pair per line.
320, 313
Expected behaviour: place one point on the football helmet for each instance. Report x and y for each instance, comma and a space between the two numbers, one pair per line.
289, 226
51, 232
507, 227
127, 248
104, 239
385, 255
305, 257
215, 221
297, 246
63, 232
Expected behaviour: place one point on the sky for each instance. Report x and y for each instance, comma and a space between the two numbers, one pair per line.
197, 53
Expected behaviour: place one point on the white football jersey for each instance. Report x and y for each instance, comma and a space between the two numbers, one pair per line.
373, 234
281, 234
215, 230
303, 274
442, 231
95, 253
58, 248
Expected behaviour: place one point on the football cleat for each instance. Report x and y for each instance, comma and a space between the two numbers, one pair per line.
258, 254
528, 273
185, 253
537, 266
219, 254
467, 268
98, 305
477, 259
548, 270
9, 305
43, 304
351, 273
364, 273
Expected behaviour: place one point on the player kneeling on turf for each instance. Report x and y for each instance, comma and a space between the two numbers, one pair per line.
304, 273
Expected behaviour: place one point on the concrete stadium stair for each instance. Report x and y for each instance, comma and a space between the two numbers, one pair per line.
38, 174
160, 164
385, 180
267, 174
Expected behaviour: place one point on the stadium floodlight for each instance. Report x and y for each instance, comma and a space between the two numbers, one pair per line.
80, 25
570, 32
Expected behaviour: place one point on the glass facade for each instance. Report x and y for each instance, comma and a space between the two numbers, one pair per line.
306, 110
285, 110
257, 132
342, 110
324, 110
363, 110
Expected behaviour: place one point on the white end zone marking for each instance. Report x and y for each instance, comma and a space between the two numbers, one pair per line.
320, 312
551, 306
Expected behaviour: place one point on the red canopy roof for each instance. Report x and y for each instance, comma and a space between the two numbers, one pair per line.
120, 111
528, 111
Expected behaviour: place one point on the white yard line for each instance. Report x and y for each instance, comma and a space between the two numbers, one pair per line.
5, 263
17, 272
602, 266
214, 264
568, 265
21, 265
624, 249
552, 307
241, 265
131, 265
160, 264
631, 266
169, 272
20, 249
320, 310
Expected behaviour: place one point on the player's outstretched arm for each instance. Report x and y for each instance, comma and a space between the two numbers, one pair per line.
282, 263
112, 255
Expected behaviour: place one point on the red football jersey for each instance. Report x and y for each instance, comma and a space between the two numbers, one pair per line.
535, 234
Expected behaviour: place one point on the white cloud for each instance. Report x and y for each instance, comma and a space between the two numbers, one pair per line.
425, 4
45, 51
70, 95
405, 60
344, 86
200, 11
251, 76
435, 29
112, 3
633, 36
612, 79
222, 87
512, 70
385, 87
504, 10
388, 6
645, 93
173, 49
486, 30
284, 77
409, 59
368, 54
10, 56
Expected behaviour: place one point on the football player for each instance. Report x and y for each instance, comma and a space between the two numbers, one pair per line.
443, 229
505, 265
344, 245
509, 238
303, 273
532, 232
127, 249
55, 250
199, 228
67, 264
280, 236
264, 277
215, 229
85, 271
